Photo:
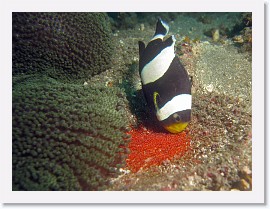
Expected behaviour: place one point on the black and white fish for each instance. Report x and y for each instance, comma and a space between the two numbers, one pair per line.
165, 82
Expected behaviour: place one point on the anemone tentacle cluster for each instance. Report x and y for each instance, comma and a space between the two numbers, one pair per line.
66, 136
65, 46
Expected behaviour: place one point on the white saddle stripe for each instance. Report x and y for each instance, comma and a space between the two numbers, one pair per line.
156, 68
178, 103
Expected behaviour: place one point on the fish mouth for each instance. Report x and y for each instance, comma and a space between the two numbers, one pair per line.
176, 127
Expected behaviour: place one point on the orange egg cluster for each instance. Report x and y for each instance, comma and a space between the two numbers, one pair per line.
149, 148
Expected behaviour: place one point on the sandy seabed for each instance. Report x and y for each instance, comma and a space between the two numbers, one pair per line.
220, 152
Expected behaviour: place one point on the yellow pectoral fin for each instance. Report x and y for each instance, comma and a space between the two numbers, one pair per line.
155, 100
176, 127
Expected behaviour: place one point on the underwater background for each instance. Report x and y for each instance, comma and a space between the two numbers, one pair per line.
80, 120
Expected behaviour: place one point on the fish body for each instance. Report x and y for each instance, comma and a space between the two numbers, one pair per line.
165, 82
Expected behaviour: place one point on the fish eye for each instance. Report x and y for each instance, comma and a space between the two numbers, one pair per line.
176, 117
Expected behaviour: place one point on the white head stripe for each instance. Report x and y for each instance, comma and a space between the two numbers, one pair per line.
156, 68
178, 103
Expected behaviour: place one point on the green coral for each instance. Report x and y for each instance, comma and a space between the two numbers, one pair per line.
66, 136
64, 46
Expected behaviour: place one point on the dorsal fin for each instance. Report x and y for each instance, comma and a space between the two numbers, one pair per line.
169, 41
141, 48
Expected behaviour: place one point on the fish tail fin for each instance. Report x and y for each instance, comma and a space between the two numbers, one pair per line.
162, 29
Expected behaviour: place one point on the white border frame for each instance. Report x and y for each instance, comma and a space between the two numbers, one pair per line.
254, 196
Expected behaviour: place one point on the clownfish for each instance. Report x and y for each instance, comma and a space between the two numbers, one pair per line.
165, 82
